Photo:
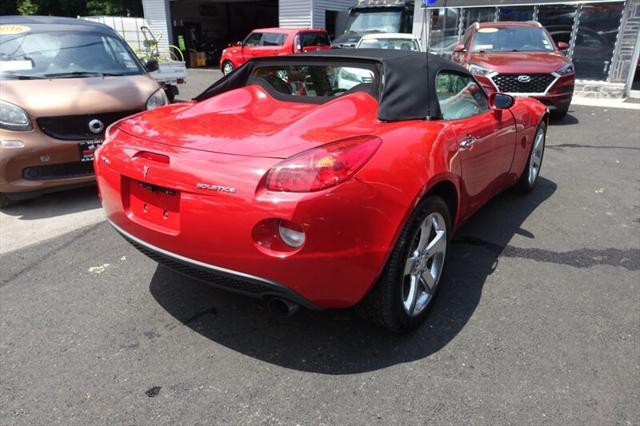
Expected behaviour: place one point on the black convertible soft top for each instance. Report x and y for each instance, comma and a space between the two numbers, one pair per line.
405, 93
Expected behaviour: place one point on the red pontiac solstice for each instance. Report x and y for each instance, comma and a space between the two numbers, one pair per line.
324, 180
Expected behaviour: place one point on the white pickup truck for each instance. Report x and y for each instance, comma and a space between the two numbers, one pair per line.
134, 31
169, 75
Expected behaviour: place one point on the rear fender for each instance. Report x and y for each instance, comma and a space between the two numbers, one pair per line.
426, 163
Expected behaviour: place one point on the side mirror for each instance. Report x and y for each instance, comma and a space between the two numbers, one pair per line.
500, 101
459, 48
238, 43
150, 65
562, 45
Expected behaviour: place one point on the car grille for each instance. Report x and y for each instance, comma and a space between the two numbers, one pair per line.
76, 127
59, 171
508, 83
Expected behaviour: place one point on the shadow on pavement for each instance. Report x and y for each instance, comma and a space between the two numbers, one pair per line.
55, 204
567, 120
336, 341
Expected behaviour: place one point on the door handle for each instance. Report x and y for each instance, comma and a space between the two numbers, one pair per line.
468, 142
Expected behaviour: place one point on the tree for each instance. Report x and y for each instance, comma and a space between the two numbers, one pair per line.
27, 7
72, 8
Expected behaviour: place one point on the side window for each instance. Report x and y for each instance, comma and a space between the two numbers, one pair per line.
273, 39
459, 96
315, 39
253, 39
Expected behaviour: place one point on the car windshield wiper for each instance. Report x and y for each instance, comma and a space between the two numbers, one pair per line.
74, 74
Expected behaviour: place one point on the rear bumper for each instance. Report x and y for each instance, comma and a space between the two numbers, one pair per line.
348, 233
227, 279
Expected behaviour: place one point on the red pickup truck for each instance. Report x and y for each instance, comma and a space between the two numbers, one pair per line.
273, 42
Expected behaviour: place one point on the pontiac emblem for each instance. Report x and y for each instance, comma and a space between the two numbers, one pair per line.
524, 78
145, 171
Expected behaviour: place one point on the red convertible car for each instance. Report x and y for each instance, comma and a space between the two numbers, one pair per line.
277, 182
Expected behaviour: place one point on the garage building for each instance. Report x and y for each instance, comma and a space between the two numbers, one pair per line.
210, 25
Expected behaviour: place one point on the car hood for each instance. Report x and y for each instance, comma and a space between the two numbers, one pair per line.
248, 121
520, 62
78, 96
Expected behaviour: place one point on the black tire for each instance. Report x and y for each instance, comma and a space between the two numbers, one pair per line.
6, 201
559, 114
225, 65
524, 185
384, 304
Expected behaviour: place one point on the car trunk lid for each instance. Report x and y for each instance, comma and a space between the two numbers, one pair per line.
248, 121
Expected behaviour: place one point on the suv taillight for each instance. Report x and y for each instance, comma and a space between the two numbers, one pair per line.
322, 167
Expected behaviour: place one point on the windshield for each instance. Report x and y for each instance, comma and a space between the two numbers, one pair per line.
63, 54
512, 39
366, 21
388, 43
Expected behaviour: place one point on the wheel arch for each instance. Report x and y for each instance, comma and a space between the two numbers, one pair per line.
448, 191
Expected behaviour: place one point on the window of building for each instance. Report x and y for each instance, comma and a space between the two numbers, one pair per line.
479, 14
558, 20
444, 31
515, 13
596, 39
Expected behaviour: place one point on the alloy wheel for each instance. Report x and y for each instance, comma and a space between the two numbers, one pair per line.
227, 68
424, 264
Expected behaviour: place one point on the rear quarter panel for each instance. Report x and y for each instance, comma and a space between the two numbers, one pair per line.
414, 157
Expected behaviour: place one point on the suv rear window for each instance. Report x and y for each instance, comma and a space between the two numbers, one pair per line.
315, 39
273, 39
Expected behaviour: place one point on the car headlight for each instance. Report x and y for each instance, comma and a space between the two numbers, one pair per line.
12, 117
565, 70
158, 99
478, 70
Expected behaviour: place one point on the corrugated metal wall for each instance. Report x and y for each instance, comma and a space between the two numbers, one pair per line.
320, 6
295, 13
309, 13
157, 15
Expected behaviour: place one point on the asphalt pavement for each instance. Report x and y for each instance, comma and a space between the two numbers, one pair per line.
537, 322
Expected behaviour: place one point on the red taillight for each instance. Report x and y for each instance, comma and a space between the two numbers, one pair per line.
322, 167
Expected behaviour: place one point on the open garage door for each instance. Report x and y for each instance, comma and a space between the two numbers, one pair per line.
208, 26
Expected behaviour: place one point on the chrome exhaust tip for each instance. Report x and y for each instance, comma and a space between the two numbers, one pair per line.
283, 307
